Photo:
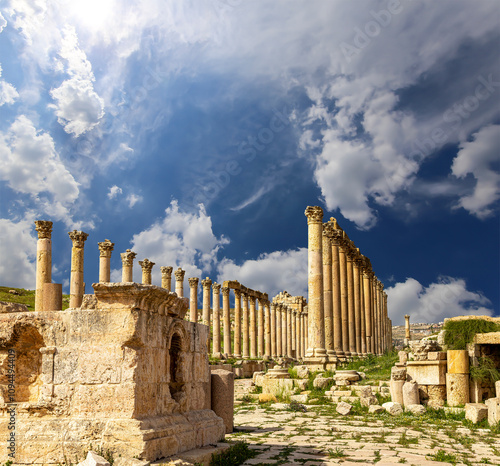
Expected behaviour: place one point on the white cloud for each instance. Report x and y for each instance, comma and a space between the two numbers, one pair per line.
3, 22
477, 157
8, 93
448, 297
31, 165
270, 273
133, 199
180, 239
18, 251
114, 192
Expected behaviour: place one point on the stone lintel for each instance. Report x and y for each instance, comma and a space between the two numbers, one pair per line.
491, 338
138, 296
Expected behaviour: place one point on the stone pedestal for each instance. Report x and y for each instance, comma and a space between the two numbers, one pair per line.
52, 296
427, 372
457, 389
222, 391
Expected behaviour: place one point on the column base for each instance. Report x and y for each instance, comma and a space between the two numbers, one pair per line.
315, 363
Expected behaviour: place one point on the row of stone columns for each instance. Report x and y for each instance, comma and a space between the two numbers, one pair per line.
347, 304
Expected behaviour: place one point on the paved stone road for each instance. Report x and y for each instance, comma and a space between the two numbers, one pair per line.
323, 437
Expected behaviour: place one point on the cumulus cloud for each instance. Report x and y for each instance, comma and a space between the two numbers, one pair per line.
477, 158
114, 192
8, 93
448, 297
18, 250
31, 165
133, 199
180, 239
270, 272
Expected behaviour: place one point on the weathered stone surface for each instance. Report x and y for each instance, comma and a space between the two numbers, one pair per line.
222, 395
12, 307
393, 408
436, 355
322, 382
497, 388
257, 374
420, 349
345, 377
93, 459
491, 338
416, 409
476, 412
362, 390
299, 398
368, 400
302, 372
457, 389
432, 395
375, 409
343, 408
397, 390
278, 386
410, 393
266, 398
427, 372
120, 461
493, 405
458, 361
301, 384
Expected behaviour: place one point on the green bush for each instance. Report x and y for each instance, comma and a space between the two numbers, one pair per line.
485, 371
459, 333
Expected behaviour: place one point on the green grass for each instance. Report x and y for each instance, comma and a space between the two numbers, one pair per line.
459, 333
375, 367
234, 456
337, 453
485, 371
26, 297
444, 457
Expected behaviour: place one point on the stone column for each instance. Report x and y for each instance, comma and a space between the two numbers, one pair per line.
316, 344
289, 342
350, 300
267, 330
299, 331
146, 266
274, 353
336, 298
343, 299
237, 323
357, 302
380, 289
193, 298
179, 282
216, 349
327, 287
166, 278
295, 349
260, 327
368, 304
253, 327
226, 315
43, 260
77, 285
284, 327
246, 330
128, 266
279, 331
362, 306
206, 284
407, 327
389, 324
105, 250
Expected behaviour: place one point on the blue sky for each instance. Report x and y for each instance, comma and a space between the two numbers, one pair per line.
197, 132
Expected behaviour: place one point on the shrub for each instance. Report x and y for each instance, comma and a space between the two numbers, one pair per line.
459, 333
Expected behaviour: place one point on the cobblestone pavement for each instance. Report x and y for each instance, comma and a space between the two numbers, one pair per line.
321, 436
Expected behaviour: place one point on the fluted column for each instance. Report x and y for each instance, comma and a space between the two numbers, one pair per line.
344, 298
253, 327
193, 299
206, 284
246, 329
294, 334
289, 332
336, 295
279, 332
364, 343
389, 323
43, 259
274, 353
77, 286
226, 315
350, 300
105, 250
316, 322
260, 328
284, 324
267, 330
128, 265
216, 347
327, 287
147, 267
375, 315
237, 323
166, 277
179, 282
407, 327
367, 303
357, 301
381, 314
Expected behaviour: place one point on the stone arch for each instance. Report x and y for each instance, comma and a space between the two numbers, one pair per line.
22, 351
177, 347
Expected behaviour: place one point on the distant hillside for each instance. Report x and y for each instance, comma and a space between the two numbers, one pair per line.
20, 295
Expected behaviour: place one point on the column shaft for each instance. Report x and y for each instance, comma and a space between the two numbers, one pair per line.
336, 297
166, 278
260, 328
216, 345
77, 286
253, 328
246, 330
357, 306
226, 312
274, 353
267, 330
343, 300
237, 323
43, 260
327, 287
193, 299
105, 250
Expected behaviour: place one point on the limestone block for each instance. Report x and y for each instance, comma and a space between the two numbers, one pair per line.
267, 397
302, 372
436, 355
120, 461
345, 377
403, 357
343, 408
476, 412
368, 400
277, 387
223, 397
491, 338
385, 391
12, 307
393, 408
416, 409
301, 384
493, 405
458, 361
299, 398
398, 373
257, 374
93, 459
397, 391
342, 393
322, 382
410, 393
457, 389
52, 296
362, 390
258, 378
497, 388
427, 372
375, 409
